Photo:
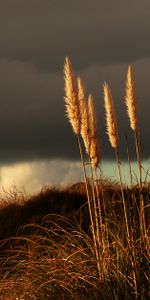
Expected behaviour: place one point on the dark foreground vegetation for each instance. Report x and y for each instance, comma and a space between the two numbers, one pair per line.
47, 251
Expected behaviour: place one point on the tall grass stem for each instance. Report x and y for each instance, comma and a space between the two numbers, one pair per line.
89, 206
122, 192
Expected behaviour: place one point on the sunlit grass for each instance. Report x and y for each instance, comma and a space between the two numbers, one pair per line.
53, 257
89, 240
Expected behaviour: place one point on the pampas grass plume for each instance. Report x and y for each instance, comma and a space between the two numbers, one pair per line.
71, 97
93, 134
130, 98
110, 117
83, 115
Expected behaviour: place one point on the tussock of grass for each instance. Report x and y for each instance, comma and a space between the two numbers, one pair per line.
131, 229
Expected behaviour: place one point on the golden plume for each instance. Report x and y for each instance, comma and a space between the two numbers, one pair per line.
71, 97
94, 152
111, 121
83, 115
130, 98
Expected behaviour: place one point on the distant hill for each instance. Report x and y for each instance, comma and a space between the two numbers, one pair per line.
15, 213
70, 202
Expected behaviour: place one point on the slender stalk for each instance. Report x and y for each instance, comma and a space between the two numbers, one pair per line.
138, 154
112, 131
99, 203
102, 221
129, 241
89, 206
95, 202
129, 161
122, 192
94, 199
135, 233
102, 227
131, 178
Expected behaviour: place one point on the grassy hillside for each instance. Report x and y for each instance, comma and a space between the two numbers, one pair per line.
46, 247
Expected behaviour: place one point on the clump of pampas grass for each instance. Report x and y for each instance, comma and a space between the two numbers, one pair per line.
83, 120
75, 108
81, 114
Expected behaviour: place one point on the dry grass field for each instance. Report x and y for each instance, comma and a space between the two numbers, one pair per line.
47, 250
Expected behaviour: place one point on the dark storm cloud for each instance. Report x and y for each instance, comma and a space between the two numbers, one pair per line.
102, 31
31, 111
101, 37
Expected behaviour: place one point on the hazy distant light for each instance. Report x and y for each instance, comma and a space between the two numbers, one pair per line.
32, 176
110, 170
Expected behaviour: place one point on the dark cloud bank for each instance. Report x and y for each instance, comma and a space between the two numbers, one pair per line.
101, 38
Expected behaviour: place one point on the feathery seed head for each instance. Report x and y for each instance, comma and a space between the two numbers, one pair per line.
83, 115
71, 97
111, 121
92, 117
130, 98
94, 152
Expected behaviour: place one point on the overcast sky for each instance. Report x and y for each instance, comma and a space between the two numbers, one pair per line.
101, 37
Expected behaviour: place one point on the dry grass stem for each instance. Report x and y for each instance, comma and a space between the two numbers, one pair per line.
131, 103
71, 97
89, 135
110, 117
130, 98
114, 141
